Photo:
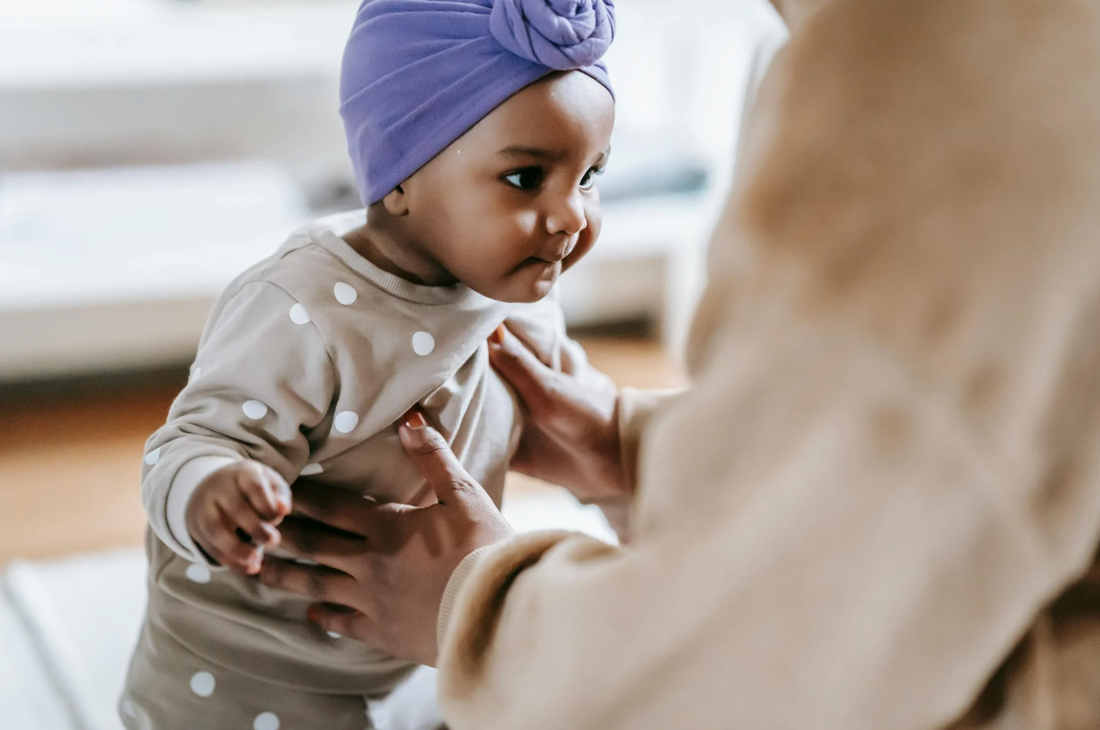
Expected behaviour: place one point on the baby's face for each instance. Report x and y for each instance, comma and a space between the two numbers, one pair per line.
513, 202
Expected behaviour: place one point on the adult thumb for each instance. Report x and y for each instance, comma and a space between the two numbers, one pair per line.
534, 383
433, 457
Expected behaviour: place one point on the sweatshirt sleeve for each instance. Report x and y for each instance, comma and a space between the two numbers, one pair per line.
261, 383
886, 468
637, 408
817, 544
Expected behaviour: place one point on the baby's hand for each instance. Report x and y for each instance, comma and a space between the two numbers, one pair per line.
233, 513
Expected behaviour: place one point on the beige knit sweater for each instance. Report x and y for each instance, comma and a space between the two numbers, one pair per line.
879, 507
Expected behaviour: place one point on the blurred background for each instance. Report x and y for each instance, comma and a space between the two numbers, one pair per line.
150, 150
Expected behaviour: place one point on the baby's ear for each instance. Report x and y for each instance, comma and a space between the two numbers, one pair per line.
396, 202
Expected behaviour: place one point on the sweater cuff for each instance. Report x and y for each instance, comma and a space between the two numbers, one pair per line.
636, 409
184, 484
454, 585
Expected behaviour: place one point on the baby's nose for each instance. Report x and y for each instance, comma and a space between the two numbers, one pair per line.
567, 217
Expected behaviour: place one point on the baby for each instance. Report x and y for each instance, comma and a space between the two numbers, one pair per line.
476, 129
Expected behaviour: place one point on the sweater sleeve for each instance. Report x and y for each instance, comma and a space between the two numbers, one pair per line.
819, 528
261, 383
637, 408
886, 468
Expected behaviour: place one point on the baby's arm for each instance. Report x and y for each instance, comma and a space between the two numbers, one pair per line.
238, 433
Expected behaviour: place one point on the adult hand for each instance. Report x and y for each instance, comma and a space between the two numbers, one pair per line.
383, 581
571, 432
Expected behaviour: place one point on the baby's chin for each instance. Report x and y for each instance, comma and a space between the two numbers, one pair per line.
525, 286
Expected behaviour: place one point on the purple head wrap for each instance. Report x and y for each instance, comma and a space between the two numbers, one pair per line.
419, 73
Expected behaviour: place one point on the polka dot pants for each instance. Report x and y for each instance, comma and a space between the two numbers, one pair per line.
169, 688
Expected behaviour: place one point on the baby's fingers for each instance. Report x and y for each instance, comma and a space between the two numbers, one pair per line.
266, 491
218, 536
252, 527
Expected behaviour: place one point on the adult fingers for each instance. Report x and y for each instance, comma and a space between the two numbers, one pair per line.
344, 621
431, 454
315, 582
533, 381
315, 543
339, 508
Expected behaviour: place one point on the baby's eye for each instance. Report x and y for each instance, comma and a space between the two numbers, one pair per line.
589, 178
529, 178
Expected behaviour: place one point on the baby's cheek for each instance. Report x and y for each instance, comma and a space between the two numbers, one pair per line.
585, 243
593, 213
485, 266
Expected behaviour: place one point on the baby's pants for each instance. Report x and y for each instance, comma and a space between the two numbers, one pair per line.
169, 688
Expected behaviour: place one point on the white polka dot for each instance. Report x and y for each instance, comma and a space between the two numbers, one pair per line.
198, 572
254, 409
194, 375
346, 421
153, 456
423, 343
299, 315
312, 470
334, 635
202, 684
345, 293
266, 721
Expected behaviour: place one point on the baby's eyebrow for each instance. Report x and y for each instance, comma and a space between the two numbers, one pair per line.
540, 153
537, 152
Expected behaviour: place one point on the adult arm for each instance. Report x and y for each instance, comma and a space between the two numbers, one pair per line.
882, 474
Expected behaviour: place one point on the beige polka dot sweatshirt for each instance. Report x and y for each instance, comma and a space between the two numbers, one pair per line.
307, 362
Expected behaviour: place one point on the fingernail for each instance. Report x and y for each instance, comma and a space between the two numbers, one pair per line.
497, 338
311, 614
416, 421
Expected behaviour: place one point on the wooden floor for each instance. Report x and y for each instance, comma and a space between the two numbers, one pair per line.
70, 453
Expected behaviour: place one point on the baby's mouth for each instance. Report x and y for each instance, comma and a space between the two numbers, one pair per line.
559, 257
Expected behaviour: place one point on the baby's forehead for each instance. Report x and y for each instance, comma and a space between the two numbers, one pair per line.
557, 118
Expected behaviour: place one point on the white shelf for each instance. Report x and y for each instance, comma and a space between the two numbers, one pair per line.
65, 43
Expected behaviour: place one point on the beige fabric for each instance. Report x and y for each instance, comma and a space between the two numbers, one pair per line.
308, 361
170, 688
879, 505
636, 409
